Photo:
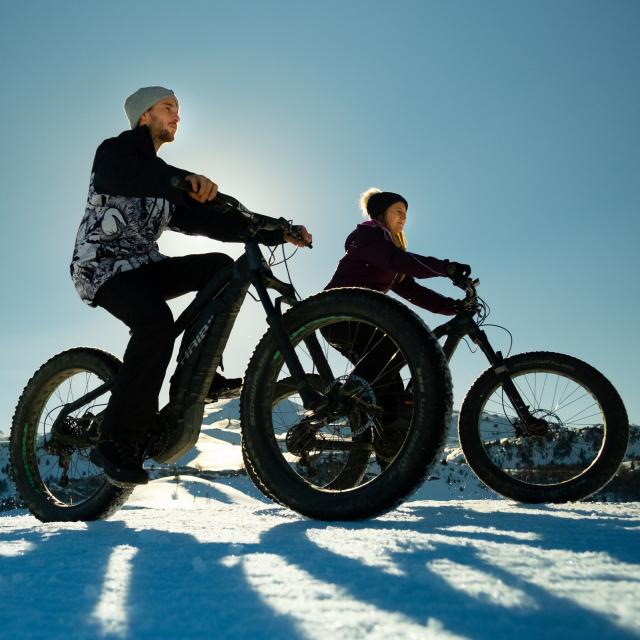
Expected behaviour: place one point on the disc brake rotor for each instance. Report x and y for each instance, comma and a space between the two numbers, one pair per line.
350, 400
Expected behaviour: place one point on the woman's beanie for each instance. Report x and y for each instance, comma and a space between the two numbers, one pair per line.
142, 100
379, 202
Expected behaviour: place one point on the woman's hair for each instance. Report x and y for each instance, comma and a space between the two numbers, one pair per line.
380, 202
364, 199
374, 202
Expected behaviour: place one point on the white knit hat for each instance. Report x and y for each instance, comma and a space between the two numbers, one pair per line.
142, 100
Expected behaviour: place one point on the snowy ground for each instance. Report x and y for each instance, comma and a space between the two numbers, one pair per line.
209, 557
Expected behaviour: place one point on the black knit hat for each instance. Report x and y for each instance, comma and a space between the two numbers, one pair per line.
378, 203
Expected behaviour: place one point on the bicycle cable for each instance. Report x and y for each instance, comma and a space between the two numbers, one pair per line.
285, 260
483, 313
273, 260
471, 349
484, 310
499, 326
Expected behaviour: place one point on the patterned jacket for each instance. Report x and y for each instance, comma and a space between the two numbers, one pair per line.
130, 203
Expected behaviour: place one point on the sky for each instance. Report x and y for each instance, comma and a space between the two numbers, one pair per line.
510, 127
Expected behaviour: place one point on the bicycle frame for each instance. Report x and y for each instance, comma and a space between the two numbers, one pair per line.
463, 325
207, 324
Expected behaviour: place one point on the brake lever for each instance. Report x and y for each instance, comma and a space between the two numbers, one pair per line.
467, 284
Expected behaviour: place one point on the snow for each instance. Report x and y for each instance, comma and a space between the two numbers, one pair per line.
198, 554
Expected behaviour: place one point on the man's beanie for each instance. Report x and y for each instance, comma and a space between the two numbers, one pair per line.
379, 202
142, 100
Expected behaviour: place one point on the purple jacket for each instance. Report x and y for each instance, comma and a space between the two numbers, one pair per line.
372, 260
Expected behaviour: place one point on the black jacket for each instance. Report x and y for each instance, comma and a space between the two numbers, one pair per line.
130, 203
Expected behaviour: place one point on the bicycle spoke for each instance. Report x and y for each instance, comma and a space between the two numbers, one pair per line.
325, 461
565, 447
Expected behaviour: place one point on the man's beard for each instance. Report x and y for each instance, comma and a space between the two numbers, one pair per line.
161, 133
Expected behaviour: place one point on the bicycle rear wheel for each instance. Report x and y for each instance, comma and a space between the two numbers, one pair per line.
324, 463
579, 446
50, 459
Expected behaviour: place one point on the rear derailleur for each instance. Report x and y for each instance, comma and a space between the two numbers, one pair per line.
70, 435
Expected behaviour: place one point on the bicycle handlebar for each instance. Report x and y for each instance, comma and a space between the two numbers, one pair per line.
259, 222
467, 284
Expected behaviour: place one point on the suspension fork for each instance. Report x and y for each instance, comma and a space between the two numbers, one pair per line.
501, 370
315, 350
464, 325
319, 359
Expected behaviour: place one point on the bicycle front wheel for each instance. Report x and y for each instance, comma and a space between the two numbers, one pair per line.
577, 447
375, 436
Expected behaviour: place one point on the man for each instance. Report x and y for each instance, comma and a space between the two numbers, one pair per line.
117, 265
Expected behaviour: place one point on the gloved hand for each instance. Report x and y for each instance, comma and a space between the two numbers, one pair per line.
458, 271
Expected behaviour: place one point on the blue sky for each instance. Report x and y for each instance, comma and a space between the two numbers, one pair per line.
510, 127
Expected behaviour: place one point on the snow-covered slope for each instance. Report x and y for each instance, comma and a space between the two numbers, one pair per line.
218, 453
192, 558
202, 554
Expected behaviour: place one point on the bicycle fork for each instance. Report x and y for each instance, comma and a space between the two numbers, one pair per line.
455, 330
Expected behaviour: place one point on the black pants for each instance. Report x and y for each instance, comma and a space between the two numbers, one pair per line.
376, 359
138, 298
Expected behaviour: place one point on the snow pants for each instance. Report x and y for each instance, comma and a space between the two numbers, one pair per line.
376, 359
138, 298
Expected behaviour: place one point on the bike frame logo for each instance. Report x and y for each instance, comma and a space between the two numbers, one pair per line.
197, 340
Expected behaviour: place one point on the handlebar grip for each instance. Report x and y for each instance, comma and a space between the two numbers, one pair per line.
221, 199
298, 236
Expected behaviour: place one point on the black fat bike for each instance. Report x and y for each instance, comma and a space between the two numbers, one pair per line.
311, 423
536, 427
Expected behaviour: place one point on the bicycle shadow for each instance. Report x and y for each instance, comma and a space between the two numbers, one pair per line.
407, 568
167, 583
574, 527
224, 584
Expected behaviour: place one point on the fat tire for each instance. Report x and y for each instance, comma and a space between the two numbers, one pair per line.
23, 462
355, 469
282, 391
593, 478
424, 442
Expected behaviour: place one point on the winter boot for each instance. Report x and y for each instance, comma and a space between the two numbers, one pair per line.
222, 388
121, 461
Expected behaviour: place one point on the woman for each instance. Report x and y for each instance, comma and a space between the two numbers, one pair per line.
376, 258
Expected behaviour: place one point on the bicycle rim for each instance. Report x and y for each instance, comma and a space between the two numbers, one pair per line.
569, 442
356, 443
61, 454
